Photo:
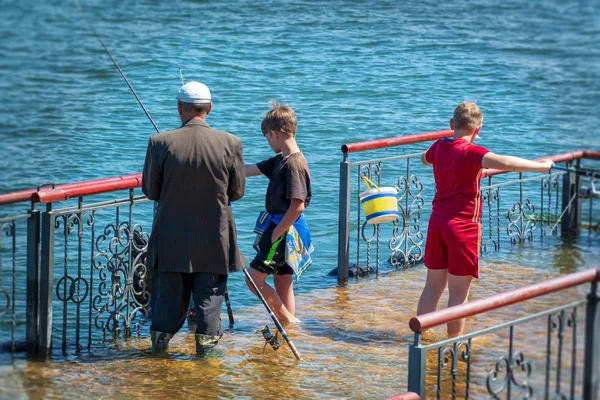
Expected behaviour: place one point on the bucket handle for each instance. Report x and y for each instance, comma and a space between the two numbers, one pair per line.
367, 181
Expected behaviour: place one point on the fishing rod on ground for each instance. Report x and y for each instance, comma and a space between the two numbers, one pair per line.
270, 339
590, 191
229, 310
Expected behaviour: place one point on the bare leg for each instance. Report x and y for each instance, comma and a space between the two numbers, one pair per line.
271, 297
458, 288
285, 289
434, 287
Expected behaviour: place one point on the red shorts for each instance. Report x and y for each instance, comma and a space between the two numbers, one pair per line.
453, 244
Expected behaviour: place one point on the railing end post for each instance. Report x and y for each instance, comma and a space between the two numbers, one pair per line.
591, 381
46, 284
417, 363
32, 286
571, 202
344, 222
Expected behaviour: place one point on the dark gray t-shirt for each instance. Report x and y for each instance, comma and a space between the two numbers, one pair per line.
288, 179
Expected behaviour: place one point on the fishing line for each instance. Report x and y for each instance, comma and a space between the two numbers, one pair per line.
568, 207
229, 310
576, 194
116, 64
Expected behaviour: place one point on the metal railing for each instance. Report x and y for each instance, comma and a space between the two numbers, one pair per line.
514, 208
513, 373
82, 258
84, 264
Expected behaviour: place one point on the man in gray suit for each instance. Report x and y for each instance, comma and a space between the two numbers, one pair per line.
193, 172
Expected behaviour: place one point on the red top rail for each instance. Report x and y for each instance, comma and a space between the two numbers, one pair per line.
395, 141
88, 188
105, 185
429, 320
71, 190
16, 197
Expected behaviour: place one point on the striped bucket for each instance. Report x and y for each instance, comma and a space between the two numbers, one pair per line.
379, 203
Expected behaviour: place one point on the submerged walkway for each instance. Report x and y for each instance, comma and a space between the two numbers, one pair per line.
353, 339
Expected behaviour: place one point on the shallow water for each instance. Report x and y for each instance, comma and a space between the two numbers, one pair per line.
353, 340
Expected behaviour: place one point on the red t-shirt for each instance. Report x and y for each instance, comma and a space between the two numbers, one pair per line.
457, 170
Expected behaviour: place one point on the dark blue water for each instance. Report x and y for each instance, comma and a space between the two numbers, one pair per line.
353, 71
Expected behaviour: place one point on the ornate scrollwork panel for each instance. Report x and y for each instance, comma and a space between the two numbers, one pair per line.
490, 199
521, 221
406, 243
123, 294
505, 373
550, 205
7, 229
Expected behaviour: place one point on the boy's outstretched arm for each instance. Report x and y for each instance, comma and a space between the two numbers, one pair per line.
291, 215
251, 170
515, 164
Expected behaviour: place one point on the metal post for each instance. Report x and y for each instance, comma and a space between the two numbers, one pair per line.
571, 208
46, 284
591, 381
577, 202
417, 363
33, 271
344, 222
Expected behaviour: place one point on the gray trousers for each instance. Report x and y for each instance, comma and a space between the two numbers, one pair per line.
172, 300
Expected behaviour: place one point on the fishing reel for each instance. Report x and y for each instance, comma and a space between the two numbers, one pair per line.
589, 191
270, 338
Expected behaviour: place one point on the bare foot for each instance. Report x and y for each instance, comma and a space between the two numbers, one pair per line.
453, 335
290, 321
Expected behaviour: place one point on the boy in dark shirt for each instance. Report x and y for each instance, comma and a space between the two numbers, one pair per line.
283, 243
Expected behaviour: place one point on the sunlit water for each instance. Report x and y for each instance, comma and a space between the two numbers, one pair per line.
353, 72
353, 340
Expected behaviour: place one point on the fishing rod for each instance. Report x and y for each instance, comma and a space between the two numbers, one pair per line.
229, 310
266, 332
116, 64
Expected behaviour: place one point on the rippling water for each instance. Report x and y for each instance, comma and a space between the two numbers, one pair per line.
353, 71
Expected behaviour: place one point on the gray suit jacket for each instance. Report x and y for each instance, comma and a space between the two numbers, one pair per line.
194, 172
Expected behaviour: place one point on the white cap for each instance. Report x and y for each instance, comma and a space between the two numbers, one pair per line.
194, 92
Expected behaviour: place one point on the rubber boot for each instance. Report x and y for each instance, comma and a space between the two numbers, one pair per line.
160, 340
205, 342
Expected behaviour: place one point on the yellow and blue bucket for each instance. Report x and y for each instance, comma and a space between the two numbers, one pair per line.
379, 203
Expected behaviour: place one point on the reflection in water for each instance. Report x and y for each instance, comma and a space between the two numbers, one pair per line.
354, 343
568, 258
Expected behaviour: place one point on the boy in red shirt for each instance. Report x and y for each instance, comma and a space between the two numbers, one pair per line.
454, 233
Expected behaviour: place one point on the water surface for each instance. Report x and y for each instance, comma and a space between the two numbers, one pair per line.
353, 71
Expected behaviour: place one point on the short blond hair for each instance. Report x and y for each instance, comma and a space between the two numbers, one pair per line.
280, 118
467, 115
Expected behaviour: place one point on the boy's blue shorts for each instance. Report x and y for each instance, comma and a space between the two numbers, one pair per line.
270, 258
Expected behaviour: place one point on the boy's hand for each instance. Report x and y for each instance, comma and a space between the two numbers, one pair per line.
291, 215
274, 237
548, 163
251, 170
